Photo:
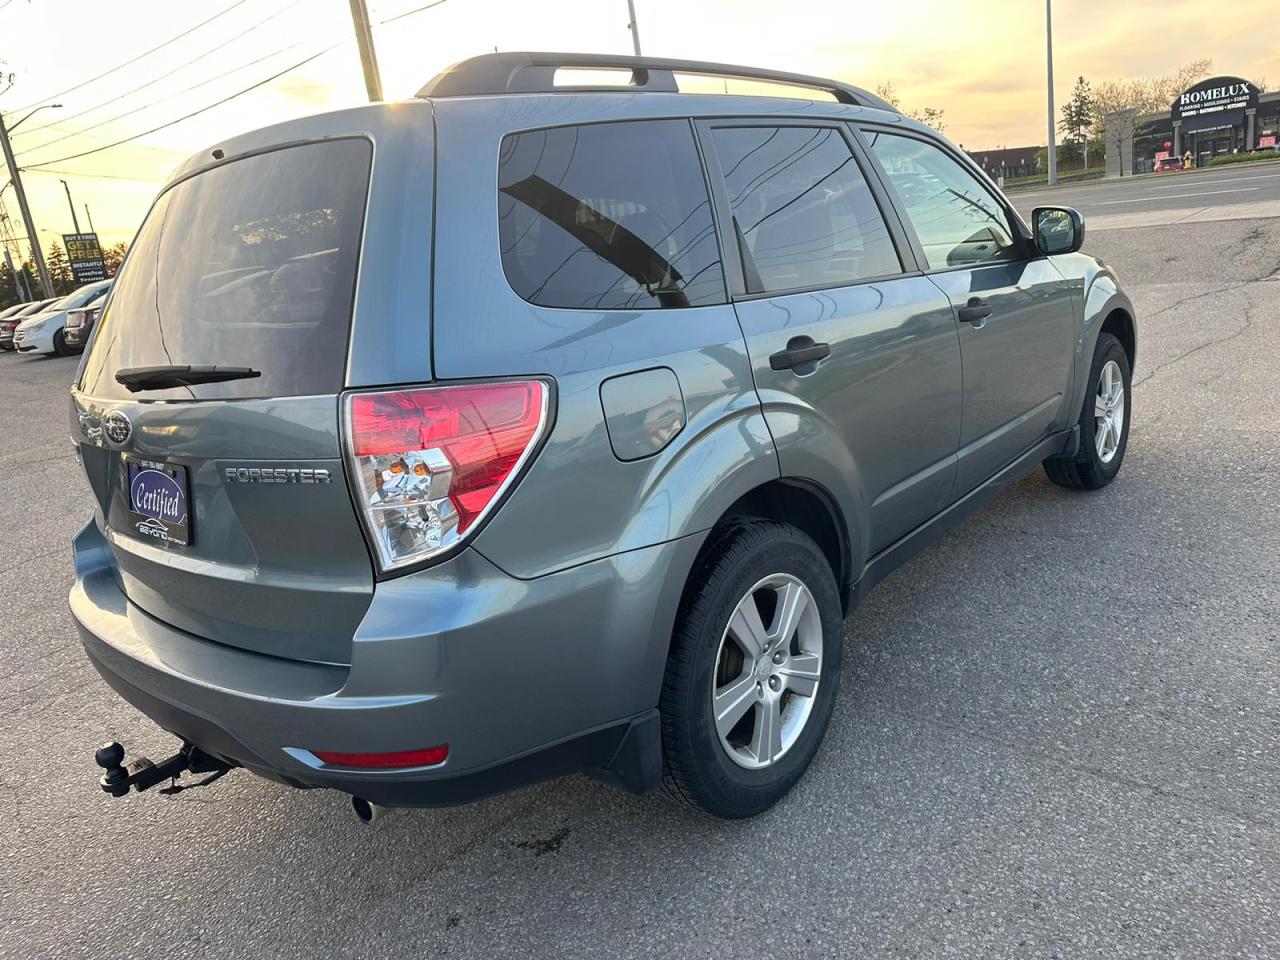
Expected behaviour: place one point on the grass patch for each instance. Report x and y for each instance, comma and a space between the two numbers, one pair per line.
1245, 158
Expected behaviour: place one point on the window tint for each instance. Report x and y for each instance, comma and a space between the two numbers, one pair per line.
248, 264
608, 216
957, 220
802, 209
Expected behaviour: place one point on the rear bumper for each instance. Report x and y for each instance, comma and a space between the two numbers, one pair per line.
525, 680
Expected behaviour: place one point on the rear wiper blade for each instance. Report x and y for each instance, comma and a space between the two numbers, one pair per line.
179, 375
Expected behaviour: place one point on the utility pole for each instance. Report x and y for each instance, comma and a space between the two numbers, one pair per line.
89, 216
1053, 140
74, 222
633, 26
25, 210
368, 57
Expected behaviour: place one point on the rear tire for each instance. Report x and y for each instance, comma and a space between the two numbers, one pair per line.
1104, 422
772, 676
60, 344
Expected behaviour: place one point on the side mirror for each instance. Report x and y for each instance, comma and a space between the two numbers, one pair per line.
1057, 230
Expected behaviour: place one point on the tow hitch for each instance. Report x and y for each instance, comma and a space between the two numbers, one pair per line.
142, 774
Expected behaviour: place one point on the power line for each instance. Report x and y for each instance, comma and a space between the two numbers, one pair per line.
169, 96
193, 113
127, 63
227, 99
409, 13
62, 119
96, 176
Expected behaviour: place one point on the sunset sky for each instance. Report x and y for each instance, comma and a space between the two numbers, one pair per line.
982, 61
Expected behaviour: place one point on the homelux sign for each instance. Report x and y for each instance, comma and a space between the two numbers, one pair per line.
85, 256
1213, 103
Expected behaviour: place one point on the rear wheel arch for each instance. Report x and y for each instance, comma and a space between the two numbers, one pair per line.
811, 509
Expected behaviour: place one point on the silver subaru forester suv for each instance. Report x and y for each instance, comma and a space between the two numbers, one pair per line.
544, 425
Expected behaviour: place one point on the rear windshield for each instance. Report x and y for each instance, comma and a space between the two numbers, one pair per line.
251, 264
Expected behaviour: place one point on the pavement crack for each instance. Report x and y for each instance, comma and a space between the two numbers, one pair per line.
26, 560
1099, 773
1216, 341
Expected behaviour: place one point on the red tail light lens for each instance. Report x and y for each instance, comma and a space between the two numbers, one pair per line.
427, 757
429, 463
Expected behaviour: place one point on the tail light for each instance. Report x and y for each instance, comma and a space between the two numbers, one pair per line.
429, 464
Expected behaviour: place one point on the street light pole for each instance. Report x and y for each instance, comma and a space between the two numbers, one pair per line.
633, 26
368, 57
74, 221
36, 253
1053, 140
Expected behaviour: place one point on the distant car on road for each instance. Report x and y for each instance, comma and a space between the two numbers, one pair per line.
44, 332
9, 322
1168, 164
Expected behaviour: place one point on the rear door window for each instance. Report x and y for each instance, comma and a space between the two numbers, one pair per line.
608, 216
251, 263
803, 213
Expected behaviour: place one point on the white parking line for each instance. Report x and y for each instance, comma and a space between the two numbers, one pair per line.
1175, 196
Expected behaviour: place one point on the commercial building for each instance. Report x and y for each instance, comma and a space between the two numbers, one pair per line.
1008, 161
1217, 117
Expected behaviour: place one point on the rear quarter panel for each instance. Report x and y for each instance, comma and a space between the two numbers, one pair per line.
579, 501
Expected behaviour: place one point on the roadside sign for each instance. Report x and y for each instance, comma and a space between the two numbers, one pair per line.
85, 255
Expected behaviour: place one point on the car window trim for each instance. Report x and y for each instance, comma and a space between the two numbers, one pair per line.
706, 182
735, 266
1026, 250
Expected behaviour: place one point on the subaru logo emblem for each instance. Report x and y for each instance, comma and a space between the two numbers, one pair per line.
116, 426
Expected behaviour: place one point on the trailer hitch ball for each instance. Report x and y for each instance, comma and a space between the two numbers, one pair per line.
115, 781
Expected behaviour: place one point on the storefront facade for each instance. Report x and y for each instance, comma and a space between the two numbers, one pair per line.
1217, 117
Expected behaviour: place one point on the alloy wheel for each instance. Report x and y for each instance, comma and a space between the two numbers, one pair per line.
767, 671
1108, 411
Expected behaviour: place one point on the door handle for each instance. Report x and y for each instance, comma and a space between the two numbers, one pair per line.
975, 311
800, 350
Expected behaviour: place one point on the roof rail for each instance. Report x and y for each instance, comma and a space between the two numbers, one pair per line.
499, 73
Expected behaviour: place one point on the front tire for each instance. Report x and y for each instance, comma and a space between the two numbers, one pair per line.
753, 671
59, 345
1104, 422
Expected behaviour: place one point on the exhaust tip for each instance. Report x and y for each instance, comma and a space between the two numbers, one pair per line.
366, 812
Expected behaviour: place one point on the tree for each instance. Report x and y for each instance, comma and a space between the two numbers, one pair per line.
113, 256
59, 270
1124, 100
8, 289
1145, 95
11, 291
1078, 118
930, 116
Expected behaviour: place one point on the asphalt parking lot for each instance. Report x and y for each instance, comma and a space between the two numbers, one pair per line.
1058, 733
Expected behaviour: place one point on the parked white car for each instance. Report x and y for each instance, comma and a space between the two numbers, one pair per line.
43, 332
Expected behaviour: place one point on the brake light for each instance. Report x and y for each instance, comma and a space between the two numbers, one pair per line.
429, 463
427, 757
